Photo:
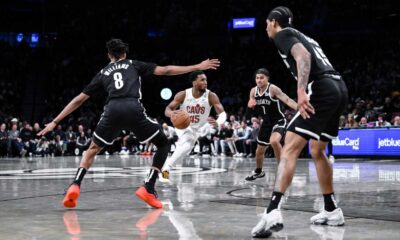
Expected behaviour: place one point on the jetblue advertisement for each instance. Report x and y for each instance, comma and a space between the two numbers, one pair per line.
380, 142
244, 22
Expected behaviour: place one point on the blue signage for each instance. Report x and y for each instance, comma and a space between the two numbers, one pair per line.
244, 22
368, 142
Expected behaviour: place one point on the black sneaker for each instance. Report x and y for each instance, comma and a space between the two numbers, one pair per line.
255, 175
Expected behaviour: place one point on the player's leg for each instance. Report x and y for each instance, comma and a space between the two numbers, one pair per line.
331, 215
258, 171
272, 218
73, 192
262, 145
147, 192
185, 144
102, 136
275, 141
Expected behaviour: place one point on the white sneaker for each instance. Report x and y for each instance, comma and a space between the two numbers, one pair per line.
164, 176
331, 159
270, 222
334, 218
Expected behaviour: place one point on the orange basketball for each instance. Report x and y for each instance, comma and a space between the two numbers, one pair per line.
181, 120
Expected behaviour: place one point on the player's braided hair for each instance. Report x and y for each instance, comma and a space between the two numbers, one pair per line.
282, 15
116, 48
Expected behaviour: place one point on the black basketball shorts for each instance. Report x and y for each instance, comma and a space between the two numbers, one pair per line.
328, 96
266, 130
124, 114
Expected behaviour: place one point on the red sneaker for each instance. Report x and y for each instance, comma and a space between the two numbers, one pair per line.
72, 195
149, 198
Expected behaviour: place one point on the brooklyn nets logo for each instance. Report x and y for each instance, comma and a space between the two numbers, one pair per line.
97, 172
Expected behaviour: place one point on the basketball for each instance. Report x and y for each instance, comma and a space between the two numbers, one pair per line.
181, 120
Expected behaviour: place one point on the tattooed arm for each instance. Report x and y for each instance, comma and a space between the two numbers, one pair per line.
303, 63
276, 92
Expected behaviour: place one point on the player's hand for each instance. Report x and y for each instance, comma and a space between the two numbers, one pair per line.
209, 64
252, 103
174, 114
49, 127
303, 103
212, 122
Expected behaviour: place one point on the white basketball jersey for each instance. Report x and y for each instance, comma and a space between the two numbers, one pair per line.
198, 108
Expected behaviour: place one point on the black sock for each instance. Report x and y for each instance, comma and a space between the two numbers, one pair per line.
79, 176
151, 179
258, 170
329, 202
275, 201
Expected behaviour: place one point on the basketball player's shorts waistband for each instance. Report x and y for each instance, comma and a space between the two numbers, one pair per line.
327, 75
126, 99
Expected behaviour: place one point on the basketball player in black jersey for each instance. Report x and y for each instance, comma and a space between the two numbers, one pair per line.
121, 78
321, 97
265, 98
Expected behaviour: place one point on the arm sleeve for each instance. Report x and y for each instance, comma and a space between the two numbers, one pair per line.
94, 86
144, 68
285, 39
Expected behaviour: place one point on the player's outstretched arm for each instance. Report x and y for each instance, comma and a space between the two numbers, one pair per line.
72, 106
177, 70
277, 93
178, 100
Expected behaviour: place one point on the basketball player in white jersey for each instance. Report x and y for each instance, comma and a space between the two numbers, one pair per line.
197, 101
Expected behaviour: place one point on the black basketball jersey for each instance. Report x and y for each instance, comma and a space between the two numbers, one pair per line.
285, 39
269, 108
121, 79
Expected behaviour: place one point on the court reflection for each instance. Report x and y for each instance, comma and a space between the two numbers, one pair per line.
72, 225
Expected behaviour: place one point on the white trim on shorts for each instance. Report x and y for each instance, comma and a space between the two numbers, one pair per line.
294, 118
101, 139
261, 142
298, 112
328, 136
151, 137
308, 132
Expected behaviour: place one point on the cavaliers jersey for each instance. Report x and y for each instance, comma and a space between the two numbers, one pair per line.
269, 108
198, 108
121, 79
284, 41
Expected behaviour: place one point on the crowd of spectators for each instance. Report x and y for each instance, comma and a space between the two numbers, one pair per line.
59, 68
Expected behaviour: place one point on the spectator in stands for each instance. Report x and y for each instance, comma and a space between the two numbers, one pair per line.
3, 140
396, 121
342, 121
82, 143
240, 140
363, 122
382, 121
205, 138
251, 144
351, 122
15, 143
28, 138
71, 140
